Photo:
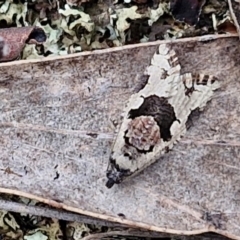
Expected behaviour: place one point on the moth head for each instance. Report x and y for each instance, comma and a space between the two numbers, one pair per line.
115, 175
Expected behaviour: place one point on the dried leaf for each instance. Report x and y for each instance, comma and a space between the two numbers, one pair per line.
46, 8
187, 10
226, 26
48, 113
141, 1
76, 2
12, 41
234, 7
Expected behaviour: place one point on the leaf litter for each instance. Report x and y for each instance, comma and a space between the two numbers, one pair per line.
84, 25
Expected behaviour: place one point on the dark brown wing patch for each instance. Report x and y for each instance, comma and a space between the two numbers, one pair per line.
160, 110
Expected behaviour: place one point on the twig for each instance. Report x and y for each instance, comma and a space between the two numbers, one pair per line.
152, 235
99, 236
53, 213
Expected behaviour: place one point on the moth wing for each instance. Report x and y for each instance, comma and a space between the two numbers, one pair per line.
155, 118
163, 81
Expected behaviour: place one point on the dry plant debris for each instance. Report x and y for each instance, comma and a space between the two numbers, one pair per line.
81, 25
234, 6
187, 10
24, 226
18, 226
13, 40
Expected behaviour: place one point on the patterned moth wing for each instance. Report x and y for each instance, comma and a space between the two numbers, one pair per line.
155, 117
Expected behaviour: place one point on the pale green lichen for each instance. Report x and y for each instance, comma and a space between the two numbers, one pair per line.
72, 28
155, 14
36, 236
8, 10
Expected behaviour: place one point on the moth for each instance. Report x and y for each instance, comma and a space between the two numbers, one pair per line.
155, 118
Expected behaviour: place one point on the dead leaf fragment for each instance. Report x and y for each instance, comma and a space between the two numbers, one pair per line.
226, 26
187, 11
12, 41
234, 7
45, 8
140, 1
77, 2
